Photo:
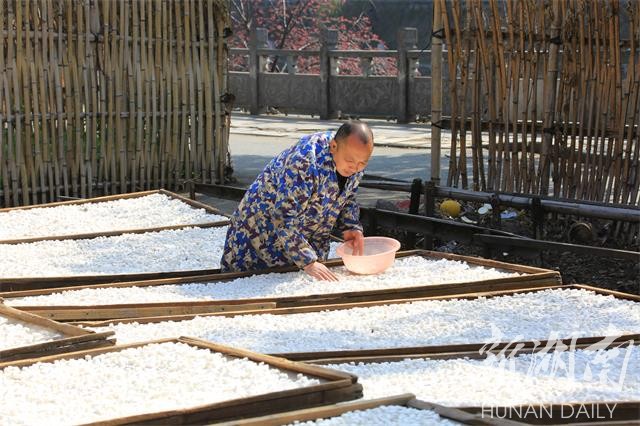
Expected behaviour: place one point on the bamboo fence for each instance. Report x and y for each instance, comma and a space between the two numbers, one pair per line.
545, 97
103, 97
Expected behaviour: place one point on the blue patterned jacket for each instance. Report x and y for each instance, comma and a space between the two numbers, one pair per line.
288, 213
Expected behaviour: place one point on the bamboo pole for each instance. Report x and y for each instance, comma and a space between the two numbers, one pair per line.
8, 79
635, 166
32, 129
538, 23
222, 70
120, 97
211, 141
191, 136
487, 77
480, 182
66, 145
514, 89
165, 96
151, 100
453, 49
550, 99
188, 99
462, 55
78, 125
633, 69
575, 78
609, 110
592, 57
114, 100
527, 44
560, 143
4, 172
101, 80
38, 119
183, 160
23, 154
142, 122
575, 160
174, 148
58, 140
197, 120
155, 51
223, 134
501, 97
622, 162
45, 97
436, 91
134, 140
618, 119
602, 76
92, 26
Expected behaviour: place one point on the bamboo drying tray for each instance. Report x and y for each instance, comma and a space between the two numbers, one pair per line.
76, 236
336, 387
531, 278
469, 350
451, 351
625, 412
349, 305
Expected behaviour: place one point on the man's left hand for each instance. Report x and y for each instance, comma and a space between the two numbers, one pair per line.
356, 240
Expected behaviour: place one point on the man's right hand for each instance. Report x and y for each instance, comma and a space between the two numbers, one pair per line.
320, 272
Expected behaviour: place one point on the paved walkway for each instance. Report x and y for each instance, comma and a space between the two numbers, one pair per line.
386, 133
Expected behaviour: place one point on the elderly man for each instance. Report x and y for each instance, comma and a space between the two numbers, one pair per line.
288, 213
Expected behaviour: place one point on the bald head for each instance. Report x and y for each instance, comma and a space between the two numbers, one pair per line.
358, 129
351, 147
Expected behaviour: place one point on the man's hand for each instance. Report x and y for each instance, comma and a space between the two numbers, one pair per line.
355, 240
318, 271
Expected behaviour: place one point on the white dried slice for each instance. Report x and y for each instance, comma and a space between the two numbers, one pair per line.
406, 272
150, 211
383, 416
553, 377
15, 333
175, 250
151, 378
560, 313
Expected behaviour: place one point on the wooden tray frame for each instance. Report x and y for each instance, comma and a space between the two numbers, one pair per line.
87, 236
349, 305
335, 410
76, 337
370, 355
338, 387
468, 350
627, 412
535, 277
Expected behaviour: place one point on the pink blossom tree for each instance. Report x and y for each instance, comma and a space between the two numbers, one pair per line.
298, 25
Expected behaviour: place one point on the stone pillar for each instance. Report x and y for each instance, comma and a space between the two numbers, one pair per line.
407, 39
258, 40
329, 41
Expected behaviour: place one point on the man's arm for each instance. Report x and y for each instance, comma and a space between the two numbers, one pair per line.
348, 224
293, 190
349, 217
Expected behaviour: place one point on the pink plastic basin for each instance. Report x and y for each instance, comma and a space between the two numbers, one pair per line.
379, 254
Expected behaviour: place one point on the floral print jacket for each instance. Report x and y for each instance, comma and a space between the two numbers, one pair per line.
288, 213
